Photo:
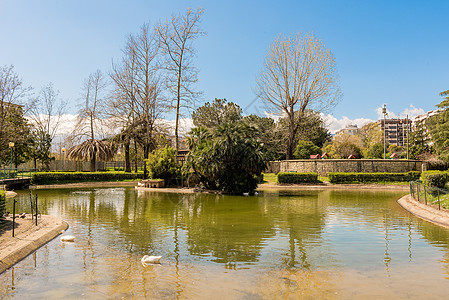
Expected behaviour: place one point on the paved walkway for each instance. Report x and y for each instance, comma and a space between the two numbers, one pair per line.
28, 237
425, 212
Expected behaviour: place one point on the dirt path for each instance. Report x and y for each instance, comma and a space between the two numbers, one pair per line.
27, 237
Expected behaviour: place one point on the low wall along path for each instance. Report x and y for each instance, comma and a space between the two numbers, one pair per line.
324, 166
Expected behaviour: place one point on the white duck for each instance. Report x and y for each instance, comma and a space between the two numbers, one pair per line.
150, 259
67, 238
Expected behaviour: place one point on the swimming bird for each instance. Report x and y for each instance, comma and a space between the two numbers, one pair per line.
67, 238
150, 259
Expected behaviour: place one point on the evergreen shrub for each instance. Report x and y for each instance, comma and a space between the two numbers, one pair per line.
2, 202
434, 178
293, 177
341, 177
71, 177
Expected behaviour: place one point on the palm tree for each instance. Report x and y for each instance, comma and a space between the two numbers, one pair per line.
92, 150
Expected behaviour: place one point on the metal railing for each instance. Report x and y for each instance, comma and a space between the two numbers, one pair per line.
429, 195
27, 205
15, 173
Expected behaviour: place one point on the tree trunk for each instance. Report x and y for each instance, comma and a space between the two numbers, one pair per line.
127, 160
92, 164
135, 157
145, 155
291, 136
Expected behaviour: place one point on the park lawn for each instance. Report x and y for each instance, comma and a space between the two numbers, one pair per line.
270, 178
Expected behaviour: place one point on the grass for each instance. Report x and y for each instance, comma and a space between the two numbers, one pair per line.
323, 178
433, 199
270, 178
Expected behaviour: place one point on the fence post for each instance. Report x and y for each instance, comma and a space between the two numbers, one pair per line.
425, 194
417, 190
439, 207
35, 205
31, 205
13, 216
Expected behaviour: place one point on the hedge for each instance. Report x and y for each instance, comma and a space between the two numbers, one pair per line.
2, 202
293, 177
435, 178
340, 177
67, 177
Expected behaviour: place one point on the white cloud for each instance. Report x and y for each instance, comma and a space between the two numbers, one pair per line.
185, 125
411, 111
334, 124
273, 116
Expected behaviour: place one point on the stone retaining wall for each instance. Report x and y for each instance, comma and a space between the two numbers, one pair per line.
324, 166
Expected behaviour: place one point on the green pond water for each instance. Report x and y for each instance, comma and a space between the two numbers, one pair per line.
302, 244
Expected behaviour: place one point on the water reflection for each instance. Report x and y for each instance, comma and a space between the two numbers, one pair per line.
310, 244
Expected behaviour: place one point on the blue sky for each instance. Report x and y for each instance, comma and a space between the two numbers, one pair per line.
393, 52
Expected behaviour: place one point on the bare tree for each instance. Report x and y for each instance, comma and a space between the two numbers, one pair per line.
299, 73
176, 37
45, 113
46, 110
90, 120
12, 93
137, 102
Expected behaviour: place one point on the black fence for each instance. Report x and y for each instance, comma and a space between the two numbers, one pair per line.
429, 195
23, 207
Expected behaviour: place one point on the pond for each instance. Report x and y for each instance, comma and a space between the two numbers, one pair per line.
328, 244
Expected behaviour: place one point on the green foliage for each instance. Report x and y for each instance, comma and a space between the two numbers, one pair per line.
162, 164
226, 158
434, 178
346, 149
376, 151
16, 129
217, 113
437, 164
40, 145
439, 125
309, 126
305, 149
266, 133
419, 140
67, 177
340, 177
2, 202
293, 177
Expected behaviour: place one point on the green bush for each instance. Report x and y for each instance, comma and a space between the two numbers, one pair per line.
306, 148
162, 164
293, 177
68, 177
2, 202
434, 178
340, 177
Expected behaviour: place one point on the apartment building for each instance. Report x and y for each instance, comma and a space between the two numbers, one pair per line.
396, 130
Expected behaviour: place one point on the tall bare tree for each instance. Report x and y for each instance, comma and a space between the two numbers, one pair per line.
299, 73
176, 36
90, 120
47, 109
45, 113
137, 102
